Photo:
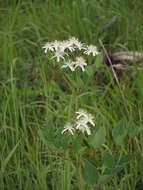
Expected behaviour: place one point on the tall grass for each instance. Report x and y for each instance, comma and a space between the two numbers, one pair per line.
37, 98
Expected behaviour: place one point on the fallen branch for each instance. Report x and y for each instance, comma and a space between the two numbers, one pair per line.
118, 59
123, 67
127, 56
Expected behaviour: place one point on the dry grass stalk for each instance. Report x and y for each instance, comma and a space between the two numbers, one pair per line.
115, 76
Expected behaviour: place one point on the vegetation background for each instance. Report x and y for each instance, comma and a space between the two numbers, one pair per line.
37, 97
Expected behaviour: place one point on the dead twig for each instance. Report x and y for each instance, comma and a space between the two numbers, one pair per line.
115, 76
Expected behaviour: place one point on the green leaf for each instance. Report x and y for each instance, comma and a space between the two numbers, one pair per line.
124, 159
89, 172
77, 143
132, 130
62, 142
98, 61
104, 178
119, 132
98, 138
107, 160
51, 137
90, 70
119, 165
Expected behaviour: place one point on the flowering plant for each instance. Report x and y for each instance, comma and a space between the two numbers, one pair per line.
60, 49
79, 137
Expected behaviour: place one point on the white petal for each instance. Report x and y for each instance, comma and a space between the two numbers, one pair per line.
82, 68
45, 50
71, 131
91, 122
88, 131
64, 130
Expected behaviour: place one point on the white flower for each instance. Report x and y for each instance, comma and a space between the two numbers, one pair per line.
82, 120
69, 64
91, 49
80, 62
89, 119
71, 44
81, 113
79, 45
82, 126
85, 117
56, 45
67, 45
68, 127
74, 41
59, 55
48, 46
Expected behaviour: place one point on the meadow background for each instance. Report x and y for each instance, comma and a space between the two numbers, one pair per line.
37, 97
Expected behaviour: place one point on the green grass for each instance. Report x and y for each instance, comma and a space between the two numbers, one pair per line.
37, 98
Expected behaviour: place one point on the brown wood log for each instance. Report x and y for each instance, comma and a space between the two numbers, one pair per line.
129, 56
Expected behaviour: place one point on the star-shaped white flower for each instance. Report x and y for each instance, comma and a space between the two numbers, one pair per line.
59, 55
91, 49
90, 118
67, 45
81, 113
68, 127
69, 64
48, 46
56, 45
85, 117
82, 126
74, 41
80, 62
79, 45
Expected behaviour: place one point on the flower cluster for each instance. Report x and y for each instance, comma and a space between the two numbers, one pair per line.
79, 62
61, 49
83, 119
